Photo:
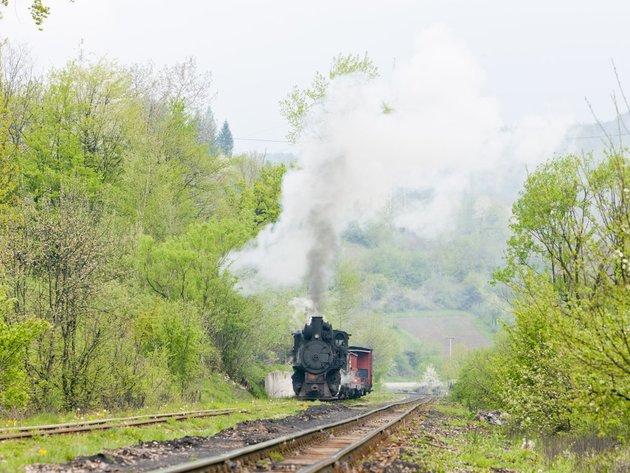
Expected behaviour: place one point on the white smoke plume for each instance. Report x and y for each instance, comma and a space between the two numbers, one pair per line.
442, 131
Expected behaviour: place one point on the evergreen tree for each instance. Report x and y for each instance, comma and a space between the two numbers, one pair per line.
225, 142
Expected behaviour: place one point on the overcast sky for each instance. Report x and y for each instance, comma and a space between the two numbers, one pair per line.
537, 55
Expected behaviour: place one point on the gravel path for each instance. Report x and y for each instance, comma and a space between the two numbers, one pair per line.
150, 455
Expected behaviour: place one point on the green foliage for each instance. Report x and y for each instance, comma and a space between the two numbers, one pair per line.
78, 134
535, 386
15, 339
116, 218
566, 360
8, 166
412, 358
176, 331
567, 263
57, 283
409, 269
262, 199
186, 266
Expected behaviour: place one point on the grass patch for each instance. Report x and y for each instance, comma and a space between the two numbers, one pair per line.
276, 456
375, 397
449, 439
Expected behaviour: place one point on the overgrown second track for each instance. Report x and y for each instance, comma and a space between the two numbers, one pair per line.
13, 433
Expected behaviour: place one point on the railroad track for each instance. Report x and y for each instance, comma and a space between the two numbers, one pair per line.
331, 447
13, 433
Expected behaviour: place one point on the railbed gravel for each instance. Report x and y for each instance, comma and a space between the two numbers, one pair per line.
150, 455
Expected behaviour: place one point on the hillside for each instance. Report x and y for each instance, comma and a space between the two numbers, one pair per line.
443, 328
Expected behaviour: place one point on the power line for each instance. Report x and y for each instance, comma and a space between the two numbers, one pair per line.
586, 137
611, 135
262, 139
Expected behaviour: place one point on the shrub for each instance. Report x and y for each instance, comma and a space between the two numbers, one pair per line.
15, 339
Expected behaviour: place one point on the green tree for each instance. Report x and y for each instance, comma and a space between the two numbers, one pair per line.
479, 379
38, 9
207, 129
260, 201
189, 268
58, 265
80, 130
567, 265
224, 141
296, 105
8, 170
175, 330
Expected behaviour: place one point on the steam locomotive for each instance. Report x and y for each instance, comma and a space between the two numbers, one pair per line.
325, 367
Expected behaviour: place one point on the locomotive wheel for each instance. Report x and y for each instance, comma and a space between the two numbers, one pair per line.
333, 378
297, 380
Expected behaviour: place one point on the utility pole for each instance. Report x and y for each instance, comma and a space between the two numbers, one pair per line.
450, 346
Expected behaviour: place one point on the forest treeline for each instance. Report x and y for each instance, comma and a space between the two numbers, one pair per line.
117, 211
564, 364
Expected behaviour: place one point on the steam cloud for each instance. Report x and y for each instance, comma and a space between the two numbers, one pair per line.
441, 134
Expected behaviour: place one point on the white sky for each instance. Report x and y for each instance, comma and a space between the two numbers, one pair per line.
539, 56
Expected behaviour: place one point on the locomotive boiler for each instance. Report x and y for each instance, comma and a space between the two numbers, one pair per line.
325, 367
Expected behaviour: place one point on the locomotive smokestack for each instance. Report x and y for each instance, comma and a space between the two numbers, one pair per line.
317, 321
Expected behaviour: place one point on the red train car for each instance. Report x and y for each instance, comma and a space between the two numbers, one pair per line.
356, 379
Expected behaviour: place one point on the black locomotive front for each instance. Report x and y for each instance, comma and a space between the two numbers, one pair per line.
319, 355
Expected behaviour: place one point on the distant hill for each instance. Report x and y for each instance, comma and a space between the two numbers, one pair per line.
596, 137
435, 327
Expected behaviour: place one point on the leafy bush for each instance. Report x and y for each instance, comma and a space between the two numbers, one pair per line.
173, 331
478, 384
15, 339
565, 364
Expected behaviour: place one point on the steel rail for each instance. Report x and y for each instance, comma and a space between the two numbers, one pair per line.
227, 461
22, 432
355, 449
